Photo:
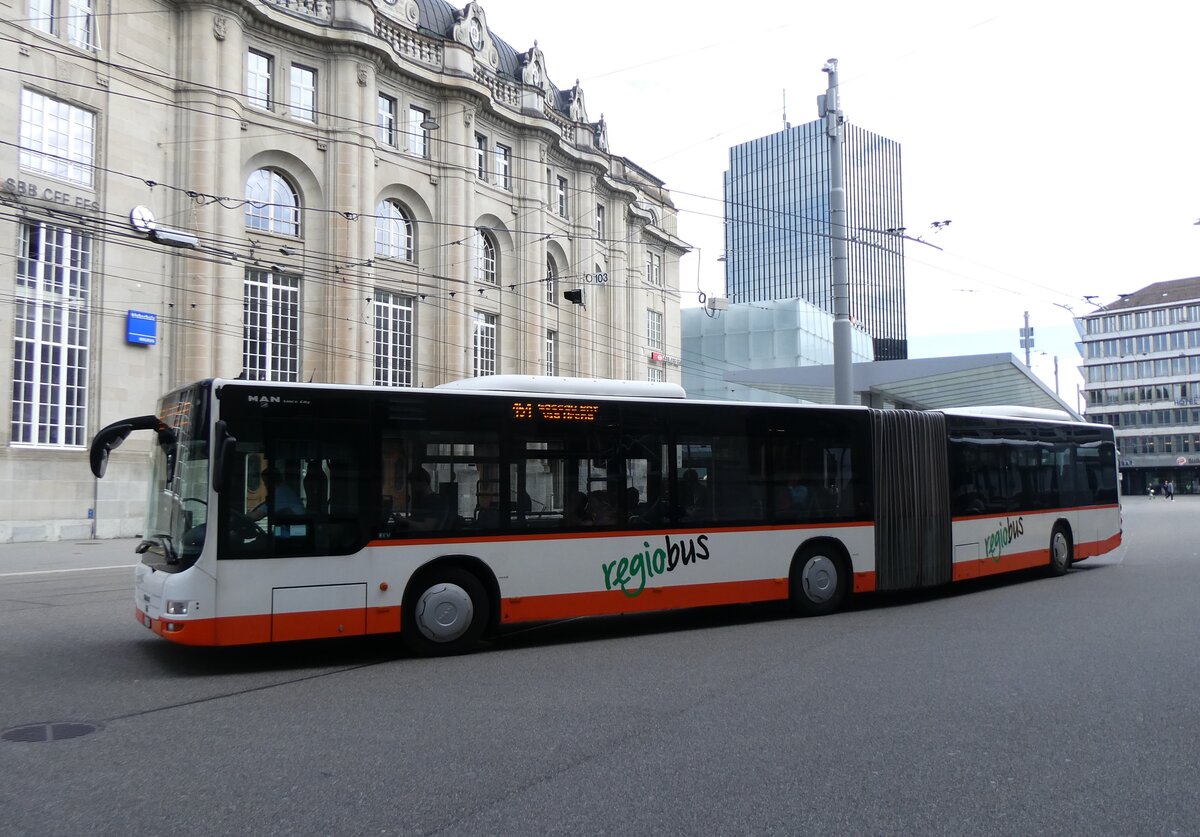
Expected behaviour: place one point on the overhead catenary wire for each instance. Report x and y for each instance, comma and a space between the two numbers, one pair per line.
291, 129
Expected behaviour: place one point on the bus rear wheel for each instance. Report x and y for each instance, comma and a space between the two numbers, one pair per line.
1061, 550
446, 613
819, 580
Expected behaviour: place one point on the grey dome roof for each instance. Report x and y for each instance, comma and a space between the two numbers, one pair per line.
437, 19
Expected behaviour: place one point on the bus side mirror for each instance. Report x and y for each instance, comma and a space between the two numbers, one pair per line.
111, 437
226, 449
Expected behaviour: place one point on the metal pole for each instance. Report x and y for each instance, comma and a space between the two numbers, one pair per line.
1028, 340
843, 369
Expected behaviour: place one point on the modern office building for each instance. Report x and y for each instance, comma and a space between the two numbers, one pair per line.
1141, 365
345, 191
750, 336
777, 227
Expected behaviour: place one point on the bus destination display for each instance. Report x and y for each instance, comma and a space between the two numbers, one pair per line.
554, 411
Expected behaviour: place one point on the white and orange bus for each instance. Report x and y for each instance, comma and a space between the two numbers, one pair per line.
297, 511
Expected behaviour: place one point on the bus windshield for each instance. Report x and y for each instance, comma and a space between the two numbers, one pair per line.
177, 508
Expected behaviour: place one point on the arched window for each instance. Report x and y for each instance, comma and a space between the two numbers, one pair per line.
551, 280
393, 232
485, 258
272, 205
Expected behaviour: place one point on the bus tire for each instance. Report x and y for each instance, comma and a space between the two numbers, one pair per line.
446, 612
1061, 550
819, 580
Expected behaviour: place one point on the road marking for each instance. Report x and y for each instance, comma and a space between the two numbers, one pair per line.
72, 570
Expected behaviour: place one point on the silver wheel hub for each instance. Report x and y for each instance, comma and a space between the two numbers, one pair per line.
444, 612
1059, 549
819, 578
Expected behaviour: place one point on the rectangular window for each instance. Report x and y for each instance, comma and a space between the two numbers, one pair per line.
385, 120
50, 327
562, 196
654, 268
304, 93
600, 221
271, 326
654, 373
418, 136
393, 340
77, 25
80, 24
41, 15
654, 330
259, 67
551, 352
57, 138
481, 144
484, 345
503, 166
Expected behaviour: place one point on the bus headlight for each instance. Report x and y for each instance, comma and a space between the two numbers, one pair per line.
177, 608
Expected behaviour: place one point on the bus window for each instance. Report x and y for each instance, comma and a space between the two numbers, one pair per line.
295, 496
645, 462
440, 481
721, 479
566, 482
812, 479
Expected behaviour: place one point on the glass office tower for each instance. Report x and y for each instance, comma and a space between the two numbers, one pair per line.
777, 227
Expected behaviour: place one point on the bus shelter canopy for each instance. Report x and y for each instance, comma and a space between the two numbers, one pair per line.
919, 384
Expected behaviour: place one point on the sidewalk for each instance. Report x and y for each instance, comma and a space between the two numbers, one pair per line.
59, 556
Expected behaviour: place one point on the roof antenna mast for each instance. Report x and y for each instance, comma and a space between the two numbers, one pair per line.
785, 122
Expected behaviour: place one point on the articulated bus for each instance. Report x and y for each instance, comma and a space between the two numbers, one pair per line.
297, 511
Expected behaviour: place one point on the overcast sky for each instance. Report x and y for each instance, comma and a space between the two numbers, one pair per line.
1059, 138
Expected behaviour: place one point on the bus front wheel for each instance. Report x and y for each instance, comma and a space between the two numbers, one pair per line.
819, 580
1060, 550
446, 613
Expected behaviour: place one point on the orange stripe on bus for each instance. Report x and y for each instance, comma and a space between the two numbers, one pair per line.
609, 533
964, 570
864, 582
1087, 550
608, 602
260, 628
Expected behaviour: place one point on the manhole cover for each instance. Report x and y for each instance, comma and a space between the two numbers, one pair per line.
34, 733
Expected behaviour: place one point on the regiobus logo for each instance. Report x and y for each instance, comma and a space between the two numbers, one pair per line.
999, 540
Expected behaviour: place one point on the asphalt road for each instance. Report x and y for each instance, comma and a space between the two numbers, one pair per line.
1024, 706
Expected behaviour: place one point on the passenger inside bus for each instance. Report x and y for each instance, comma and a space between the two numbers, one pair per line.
576, 512
282, 499
316, 487
601, 509
426, 510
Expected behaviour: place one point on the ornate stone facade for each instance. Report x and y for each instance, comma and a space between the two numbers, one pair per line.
340, 191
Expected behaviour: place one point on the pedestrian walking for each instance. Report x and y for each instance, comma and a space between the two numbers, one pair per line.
1169, 489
